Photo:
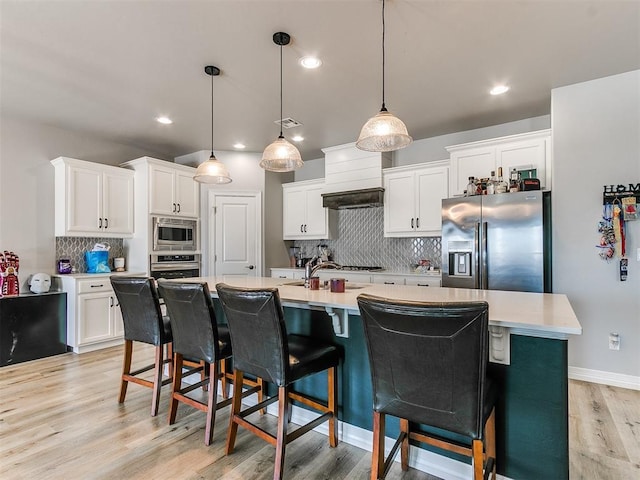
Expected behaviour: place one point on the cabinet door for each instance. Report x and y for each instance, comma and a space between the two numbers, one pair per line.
94, 317
527, 155
294, 207
432, 187
116, 317
161, 190
474, 162
316, 215
117, 204
84, 200
187, 195
399, 204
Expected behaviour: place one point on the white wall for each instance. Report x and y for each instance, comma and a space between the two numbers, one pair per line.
596, 142
27, 179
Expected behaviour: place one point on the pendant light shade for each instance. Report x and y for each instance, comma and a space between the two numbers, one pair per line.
213, 170
385, 132
281, 156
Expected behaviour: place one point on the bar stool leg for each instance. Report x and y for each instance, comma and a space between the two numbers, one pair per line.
377, 458
236, 404
157, 379
175, 387
332, 389
281, 439
211, 405
490, 440
404, 447
126, 369
477, 448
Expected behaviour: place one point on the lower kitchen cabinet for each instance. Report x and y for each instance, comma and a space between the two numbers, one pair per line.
94, 319
294, 273
423, 281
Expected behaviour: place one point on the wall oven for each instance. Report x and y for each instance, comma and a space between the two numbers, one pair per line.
174, 234
174, 266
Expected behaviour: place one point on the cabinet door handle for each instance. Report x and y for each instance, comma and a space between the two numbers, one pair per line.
178, 208
174, 208
417, 222
100, 222
305, 228
111, 301
412, 223
106, 223
301, 228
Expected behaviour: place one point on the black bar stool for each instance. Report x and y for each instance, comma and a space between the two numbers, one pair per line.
197, 336
262, 348
143, 322
428, 366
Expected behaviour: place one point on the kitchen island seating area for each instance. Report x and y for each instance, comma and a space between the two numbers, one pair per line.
429, 367
263, 348
198, 337
143, 322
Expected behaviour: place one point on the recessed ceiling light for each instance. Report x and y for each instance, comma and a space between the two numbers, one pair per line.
310, 62
239, 146
164, 120
499, 90
297, 138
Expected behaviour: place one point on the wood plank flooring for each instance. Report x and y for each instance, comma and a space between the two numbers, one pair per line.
59, 419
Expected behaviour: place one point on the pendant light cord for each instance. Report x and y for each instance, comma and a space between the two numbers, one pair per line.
383, 56
281, 91
212, 115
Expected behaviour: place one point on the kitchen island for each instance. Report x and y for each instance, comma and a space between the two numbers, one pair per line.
531, 369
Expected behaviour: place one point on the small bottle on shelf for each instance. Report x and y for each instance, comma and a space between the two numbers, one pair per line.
501, 185
491, 183
471, 187
514, 181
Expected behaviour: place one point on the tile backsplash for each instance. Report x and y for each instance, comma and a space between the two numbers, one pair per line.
73, 248
360, 241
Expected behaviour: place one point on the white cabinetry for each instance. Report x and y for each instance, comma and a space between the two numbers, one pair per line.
412, 199
92, 199
94, 319
173, 191
303, 216
290, 273
524, 152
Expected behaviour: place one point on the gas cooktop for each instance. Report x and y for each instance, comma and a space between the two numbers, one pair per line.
361, 268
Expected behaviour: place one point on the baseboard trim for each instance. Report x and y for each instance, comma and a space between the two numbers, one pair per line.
605, 378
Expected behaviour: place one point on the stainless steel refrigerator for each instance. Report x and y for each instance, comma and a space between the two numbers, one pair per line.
497, 242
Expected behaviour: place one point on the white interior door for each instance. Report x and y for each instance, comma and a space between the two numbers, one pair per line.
237, 235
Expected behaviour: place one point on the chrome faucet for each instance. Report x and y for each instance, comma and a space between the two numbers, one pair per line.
309, 270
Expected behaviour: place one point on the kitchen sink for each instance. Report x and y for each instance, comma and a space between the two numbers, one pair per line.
347, 285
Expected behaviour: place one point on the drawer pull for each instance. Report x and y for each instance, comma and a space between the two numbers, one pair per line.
423, 284
389, 283
97, 286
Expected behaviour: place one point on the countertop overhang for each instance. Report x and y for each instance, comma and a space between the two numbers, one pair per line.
548, 315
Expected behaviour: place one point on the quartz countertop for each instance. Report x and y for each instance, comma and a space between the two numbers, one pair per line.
534, 314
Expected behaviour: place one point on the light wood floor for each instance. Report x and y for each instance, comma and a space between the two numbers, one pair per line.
59, 419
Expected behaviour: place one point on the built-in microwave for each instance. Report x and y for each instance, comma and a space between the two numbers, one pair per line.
174, 234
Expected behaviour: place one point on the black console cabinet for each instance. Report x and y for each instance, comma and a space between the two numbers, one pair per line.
32, 326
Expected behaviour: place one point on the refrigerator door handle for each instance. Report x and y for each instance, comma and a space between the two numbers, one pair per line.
484, 276
476, 254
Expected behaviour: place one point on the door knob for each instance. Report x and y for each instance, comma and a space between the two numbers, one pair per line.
250, 267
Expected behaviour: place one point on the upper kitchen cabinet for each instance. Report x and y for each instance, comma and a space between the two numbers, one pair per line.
412, 199
529, 153
170, 187
92, 199
303, 216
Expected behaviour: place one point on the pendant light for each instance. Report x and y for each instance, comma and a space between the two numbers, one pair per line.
385, 132
213, 170
281, 156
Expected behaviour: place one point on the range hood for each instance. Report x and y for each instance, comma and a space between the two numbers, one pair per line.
353, 177
365, 198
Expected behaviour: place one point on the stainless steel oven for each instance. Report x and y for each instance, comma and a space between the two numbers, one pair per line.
175, 266
174, 234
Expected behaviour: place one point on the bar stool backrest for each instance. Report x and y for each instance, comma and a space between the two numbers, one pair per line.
258, 332
428, 361
193, 320
140, 306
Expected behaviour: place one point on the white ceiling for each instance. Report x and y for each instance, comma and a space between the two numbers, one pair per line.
110, 67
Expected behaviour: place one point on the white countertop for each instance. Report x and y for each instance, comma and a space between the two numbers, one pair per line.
404, 273
536, 314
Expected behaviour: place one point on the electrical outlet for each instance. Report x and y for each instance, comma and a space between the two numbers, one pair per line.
614, 341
